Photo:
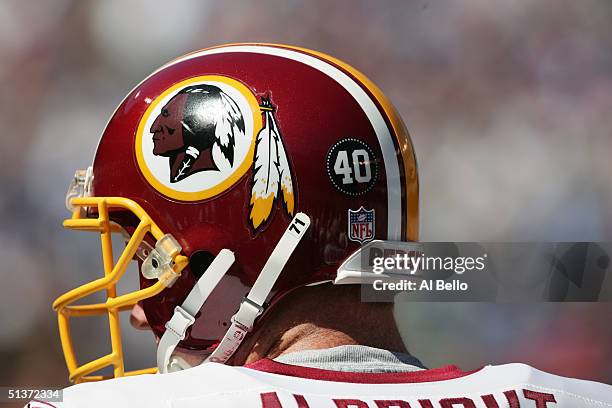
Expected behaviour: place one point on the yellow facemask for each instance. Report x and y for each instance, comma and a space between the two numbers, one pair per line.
164, 263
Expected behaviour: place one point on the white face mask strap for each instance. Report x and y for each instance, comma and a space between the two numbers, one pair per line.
184, 315
251, 306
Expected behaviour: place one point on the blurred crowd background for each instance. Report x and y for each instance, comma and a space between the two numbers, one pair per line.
509, 105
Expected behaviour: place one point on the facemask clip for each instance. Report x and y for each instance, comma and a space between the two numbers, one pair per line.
159, 262
79, 187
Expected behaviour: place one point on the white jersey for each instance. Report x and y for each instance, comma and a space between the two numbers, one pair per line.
270, 384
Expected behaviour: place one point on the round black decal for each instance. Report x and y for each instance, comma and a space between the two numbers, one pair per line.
352, 166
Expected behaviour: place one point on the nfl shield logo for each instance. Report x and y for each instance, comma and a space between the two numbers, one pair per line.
361, 225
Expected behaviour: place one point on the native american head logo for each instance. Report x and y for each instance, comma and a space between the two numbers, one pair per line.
196, 119
199, 137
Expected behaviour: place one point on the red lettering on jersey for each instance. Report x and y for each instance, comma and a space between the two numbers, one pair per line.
490, 401
270, 400
511, 396
301, 401
541, 398
347, 403
392, 403
451, 402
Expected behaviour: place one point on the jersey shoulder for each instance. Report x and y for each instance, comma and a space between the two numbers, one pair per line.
530, 381
508, 385
208, 381
271, 384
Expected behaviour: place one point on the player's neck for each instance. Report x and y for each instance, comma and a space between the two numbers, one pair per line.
305, 336
308, 336
308, 322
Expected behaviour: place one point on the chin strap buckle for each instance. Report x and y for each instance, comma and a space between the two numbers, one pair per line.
248, 312
179, 323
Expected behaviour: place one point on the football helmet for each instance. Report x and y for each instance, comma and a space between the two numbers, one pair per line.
236, 174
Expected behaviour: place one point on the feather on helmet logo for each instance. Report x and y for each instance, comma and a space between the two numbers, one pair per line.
199, 137
271, 171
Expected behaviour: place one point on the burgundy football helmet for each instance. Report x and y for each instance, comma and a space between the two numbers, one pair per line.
224, 168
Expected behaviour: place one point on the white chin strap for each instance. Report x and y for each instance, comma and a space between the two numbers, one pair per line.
251, 306
184, 315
